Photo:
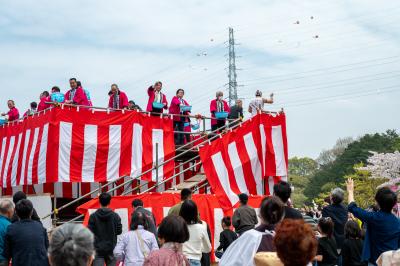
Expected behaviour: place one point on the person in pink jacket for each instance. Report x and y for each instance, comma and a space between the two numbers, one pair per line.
76, 95
218, 105
118, 99
156, 96
44, 97
175, 108
13, 114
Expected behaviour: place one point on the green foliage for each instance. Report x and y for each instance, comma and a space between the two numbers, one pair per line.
302, 166
364, 186
300, 170
356, 152
299, 183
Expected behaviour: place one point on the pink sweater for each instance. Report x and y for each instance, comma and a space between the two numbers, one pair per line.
169, 254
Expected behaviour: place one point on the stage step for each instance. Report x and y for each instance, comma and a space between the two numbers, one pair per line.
191, 183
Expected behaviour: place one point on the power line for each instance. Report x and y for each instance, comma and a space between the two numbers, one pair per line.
386, 11
356, 80
329, 99
309, 101
327, 68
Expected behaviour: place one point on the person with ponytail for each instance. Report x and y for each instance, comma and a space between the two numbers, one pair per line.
71, 245
327, 254
226, 237
259, 239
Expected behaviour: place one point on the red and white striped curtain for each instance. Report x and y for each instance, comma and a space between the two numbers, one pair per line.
71, 145
249, 159
76, 190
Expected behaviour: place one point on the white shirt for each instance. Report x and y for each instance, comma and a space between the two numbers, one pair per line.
128, 248
241, 252
198, 242
256, 105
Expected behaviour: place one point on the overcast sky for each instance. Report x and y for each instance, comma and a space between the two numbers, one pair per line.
333, 65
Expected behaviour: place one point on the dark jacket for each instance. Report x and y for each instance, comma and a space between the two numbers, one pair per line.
244, 218
226, 238
34, 217
26, 244
351, 253
383, 232
328, 249
339, 216
291, 213
106, 226
236, 112
151, 220
267, 240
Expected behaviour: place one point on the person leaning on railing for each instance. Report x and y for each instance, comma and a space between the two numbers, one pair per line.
13, 113
76, 95
218, 105
44, 99
118, 98
32, 110
133, 106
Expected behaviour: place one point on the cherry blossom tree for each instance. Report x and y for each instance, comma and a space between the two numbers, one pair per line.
384, 165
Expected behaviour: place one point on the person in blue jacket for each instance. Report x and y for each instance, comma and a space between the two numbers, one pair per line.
6, 212
383, 227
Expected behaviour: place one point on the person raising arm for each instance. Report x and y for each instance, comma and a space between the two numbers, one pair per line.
383, 228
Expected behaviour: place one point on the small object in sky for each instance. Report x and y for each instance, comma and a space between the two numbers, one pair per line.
311, 17
316, 37
297, 22
205, 69
204, 53
212, 39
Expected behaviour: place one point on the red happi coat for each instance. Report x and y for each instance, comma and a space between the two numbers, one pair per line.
79, 97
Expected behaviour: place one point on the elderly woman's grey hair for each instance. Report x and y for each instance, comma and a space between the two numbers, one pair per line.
219, 93
337, 195
71, 245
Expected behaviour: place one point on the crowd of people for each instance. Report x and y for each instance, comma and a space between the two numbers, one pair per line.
344, 235
157, 103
